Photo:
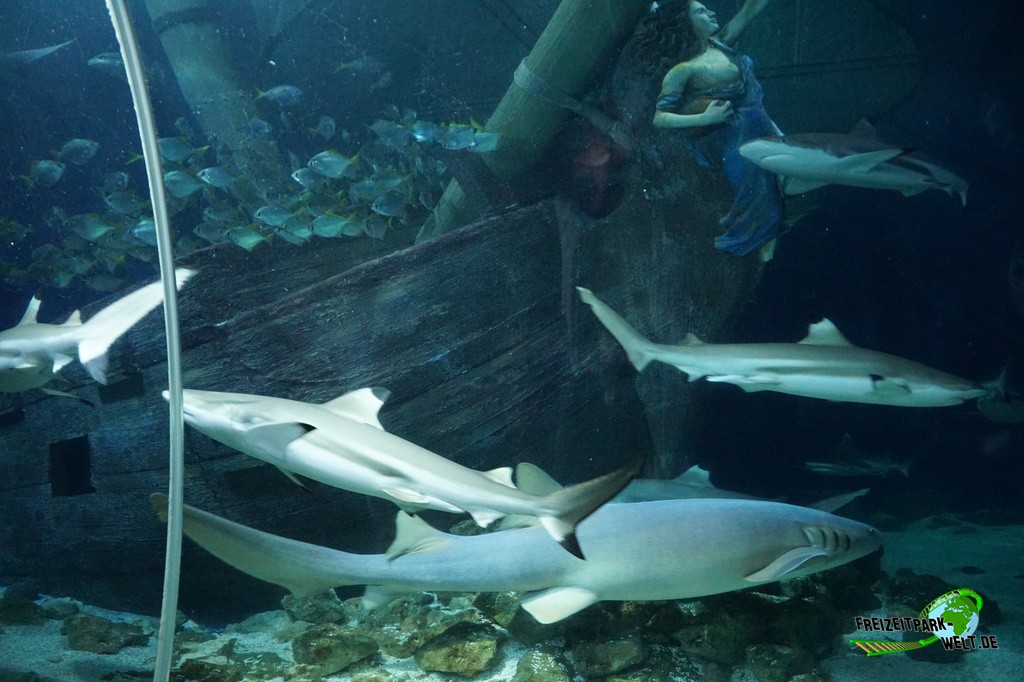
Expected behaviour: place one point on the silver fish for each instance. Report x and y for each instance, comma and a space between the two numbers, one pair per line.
333, 165
180, 184
217, 176
78, 151
282, 95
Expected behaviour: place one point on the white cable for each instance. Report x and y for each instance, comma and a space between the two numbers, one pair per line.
151, 153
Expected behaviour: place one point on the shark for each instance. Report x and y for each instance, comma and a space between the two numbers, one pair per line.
669, 549
33, 352
342, 443
822, 365
858, 159
11, 62
694, 483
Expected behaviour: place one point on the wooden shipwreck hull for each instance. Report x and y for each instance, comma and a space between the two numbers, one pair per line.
479, 335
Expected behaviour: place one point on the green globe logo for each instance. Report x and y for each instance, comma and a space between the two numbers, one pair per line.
959, 610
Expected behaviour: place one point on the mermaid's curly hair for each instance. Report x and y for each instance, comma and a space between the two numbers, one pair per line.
661, 40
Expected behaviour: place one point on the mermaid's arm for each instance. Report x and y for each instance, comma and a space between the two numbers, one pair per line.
672, 89
738, 24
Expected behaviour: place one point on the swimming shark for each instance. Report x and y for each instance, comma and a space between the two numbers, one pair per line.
694, 483
32, 352
858, 159
823, 365
10, 62
342, 443
671, 549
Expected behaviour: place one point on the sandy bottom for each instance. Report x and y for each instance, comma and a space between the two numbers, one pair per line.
942, 552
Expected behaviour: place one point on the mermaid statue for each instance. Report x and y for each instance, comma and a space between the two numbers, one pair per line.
711, 90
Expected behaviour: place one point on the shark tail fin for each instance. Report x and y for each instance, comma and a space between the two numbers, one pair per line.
569, 506
639, 349
106, 326
305, 570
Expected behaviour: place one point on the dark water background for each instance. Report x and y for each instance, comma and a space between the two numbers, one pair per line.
917, 277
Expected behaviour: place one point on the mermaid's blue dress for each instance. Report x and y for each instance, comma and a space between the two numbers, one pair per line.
756, 213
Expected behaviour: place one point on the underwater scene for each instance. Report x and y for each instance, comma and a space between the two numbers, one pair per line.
511, 340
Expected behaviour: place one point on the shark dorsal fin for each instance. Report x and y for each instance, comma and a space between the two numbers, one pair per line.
412, 535
865, 129
74, 319
695, 475
825, 333
786, 563
691, 339
31, 312
534, 480
502, 475
361, 405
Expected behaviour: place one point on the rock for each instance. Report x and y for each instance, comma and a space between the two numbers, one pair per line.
500, 607
607, 658
320, 609
59, 609
723, 637
278, 624
539, 666
466, 527
405, 625
263, 665
332, 648
776, 663
208, 669
465, 650
375, 676
16, 608
808, 677
101, 636
190, 640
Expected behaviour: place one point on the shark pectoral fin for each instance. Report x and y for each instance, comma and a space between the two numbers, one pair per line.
485, 517
280, 435
888, 387
60, 361
913, 191
787, 563
792, 186
361, 405
749, 383
551, 606
831, 504
531, 479
293, 478
375, 596
695, 475
865, 161
407, 496
412, 535
502, 475
514, 521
